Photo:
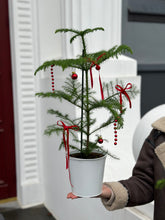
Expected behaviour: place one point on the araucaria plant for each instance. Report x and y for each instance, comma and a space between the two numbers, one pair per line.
81, 95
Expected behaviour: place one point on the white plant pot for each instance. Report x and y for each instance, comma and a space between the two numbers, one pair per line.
87, 176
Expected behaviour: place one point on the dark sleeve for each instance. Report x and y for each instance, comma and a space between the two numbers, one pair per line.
141, 185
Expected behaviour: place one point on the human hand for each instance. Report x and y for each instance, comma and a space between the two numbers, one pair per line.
72, 196
105, 194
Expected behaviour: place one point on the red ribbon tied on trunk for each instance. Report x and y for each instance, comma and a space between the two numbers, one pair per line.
94, 63
122, 91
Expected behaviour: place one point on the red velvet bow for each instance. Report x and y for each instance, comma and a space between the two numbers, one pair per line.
66, 142
94, 63
122, 91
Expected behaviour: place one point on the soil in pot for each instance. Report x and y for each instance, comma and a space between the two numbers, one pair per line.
92, 155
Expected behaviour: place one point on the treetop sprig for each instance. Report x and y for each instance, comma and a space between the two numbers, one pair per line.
79, 33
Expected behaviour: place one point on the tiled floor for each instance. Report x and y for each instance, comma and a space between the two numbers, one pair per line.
13, 212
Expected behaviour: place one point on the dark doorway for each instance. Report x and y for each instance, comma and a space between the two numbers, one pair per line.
143, 29
7, 148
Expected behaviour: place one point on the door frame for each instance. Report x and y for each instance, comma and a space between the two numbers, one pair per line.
25, 58
8, 169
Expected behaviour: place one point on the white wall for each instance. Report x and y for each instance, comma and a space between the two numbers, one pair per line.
49, 20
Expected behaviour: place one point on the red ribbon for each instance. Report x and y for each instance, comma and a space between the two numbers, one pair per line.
94, 63
66, 142
122, 91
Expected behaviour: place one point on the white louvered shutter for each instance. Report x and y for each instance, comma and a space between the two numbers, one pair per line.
23, 26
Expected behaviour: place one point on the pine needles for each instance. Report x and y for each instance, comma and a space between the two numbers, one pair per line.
85, 62
82, 97
72, 94
160, 184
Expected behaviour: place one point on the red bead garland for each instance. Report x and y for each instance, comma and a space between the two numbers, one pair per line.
115, 132
52, 77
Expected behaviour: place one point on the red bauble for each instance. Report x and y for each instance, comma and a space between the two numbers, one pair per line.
97, 67
100, 140
74, 75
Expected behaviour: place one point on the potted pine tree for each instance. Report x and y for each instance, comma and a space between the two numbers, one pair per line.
86, 160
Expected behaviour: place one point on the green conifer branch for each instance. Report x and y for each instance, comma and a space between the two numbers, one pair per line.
53, 129
109, 88
84, 63
78, 33
160, 184
64, 64
60, 95
61, 116
111, 53
56, 129
94, 146
67, 120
